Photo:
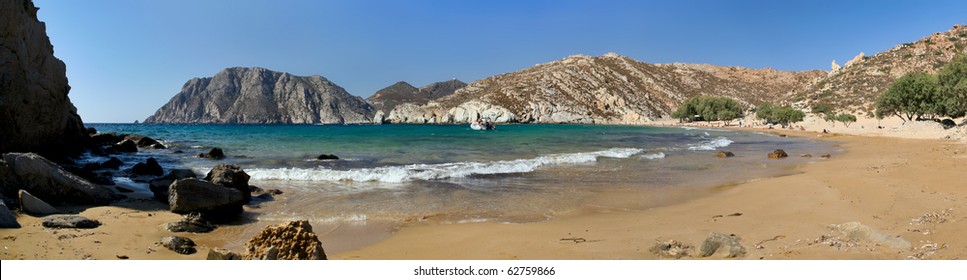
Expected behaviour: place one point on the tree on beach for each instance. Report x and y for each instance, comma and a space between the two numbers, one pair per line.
911, 96
846, 119
781, 115
952, 83
919, 94
708, 108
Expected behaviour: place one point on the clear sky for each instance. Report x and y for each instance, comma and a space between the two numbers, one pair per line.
125, 59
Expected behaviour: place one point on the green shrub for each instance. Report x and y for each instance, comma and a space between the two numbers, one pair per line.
780, 115
708, 108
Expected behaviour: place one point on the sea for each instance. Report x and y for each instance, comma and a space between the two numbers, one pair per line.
388, 176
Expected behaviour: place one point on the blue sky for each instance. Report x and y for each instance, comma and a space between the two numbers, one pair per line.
127, 58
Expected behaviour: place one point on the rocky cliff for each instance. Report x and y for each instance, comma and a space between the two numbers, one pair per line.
609, 89
35, 113
386, 99
259, 95
855, 86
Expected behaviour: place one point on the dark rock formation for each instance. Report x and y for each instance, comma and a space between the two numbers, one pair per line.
193, 222
34, 206
778, 153
160, 186
149, 167
214, 201
125, 146
50, 182
327, 157
113, 163
231, 176
36, 114
69, 221
287, 241
215, 153
7, 218
724, 154
727, 246
259, 95
179, 244
106, 138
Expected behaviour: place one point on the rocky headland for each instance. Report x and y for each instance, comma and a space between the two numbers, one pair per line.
259, 95
36, 115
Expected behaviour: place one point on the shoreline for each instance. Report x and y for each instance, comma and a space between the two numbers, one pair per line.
785, 217
606, 233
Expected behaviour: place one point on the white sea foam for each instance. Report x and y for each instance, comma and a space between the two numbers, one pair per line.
658, 155
414, 172
711, 144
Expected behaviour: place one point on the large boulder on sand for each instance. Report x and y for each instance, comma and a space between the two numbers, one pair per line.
727, 246
69, 221
35, 206
231, 176
180, 245
53, 184
287, 241
7, 219
215, 201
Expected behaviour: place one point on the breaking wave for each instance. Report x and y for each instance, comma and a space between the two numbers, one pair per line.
426, 172
711, 144
658, 155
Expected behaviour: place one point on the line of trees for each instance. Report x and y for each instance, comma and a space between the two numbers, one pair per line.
920, 95
708, 108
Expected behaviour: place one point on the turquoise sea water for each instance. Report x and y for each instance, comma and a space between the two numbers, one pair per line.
450, 173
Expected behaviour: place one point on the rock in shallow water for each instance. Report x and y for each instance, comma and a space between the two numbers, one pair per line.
231, 176
149, 167
69, 221
215, 153
215, 201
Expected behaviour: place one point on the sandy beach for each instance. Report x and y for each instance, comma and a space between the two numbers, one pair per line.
895, 188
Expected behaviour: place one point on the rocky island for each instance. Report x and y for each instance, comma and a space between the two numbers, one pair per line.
259, 95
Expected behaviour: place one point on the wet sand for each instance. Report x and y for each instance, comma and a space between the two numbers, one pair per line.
897, 187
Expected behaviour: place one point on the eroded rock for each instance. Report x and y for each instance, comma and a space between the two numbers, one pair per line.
726, 246
179, 244
287, 241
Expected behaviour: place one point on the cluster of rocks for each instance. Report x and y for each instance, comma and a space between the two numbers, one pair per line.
292, 240
113, 143
716, 244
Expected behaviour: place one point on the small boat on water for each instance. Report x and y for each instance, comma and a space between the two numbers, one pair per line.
482, 124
